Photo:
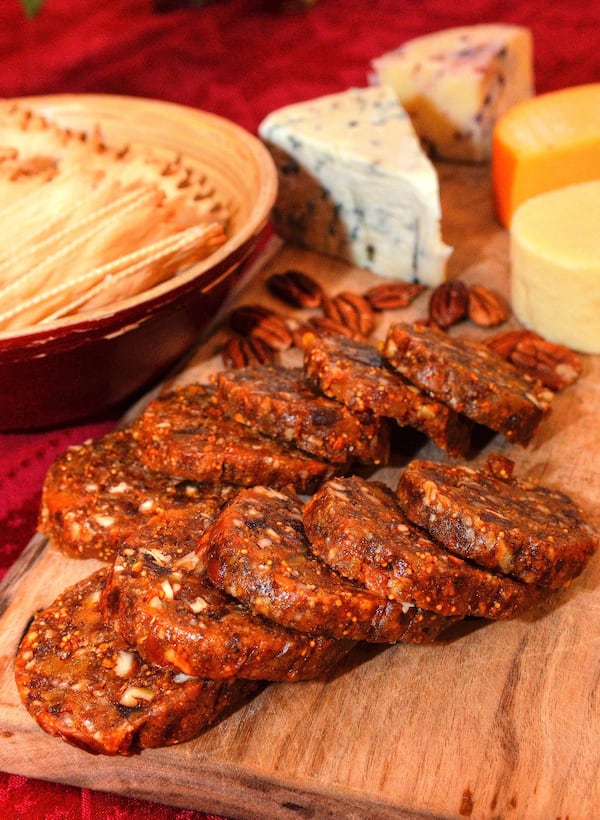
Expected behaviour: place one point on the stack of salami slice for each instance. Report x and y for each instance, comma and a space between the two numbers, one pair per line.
241, 549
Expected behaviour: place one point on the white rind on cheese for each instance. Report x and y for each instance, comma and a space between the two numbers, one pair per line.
555, 265
354, 183
455, 83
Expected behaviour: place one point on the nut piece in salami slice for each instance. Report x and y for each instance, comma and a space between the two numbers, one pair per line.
469, 377
280, 403
98, 493
517, 527
185, 433
257, 551
80, 681
358, 528
356, 374
162, 603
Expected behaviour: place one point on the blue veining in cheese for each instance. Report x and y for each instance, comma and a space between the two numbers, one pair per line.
457, 82
354, 183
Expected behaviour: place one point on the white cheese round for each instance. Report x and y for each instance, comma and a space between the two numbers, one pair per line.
555, 265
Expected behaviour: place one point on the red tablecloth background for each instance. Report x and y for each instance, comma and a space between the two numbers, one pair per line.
240, 59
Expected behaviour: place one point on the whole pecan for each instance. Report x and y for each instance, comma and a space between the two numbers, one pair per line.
449, 302
555, 365
240, 352
351, 310
296, 288
486, 308
262, 323
393, 295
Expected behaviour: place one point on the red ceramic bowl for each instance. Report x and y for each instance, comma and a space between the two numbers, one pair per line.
80, 367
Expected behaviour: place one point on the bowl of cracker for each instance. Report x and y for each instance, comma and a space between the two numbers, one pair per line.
125, 224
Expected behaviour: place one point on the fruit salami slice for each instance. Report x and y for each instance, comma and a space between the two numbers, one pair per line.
186, 434
358, 528
163, 604
280, 403
356, 374
515, 526
258, 552
97, 494
470, 378
80, 681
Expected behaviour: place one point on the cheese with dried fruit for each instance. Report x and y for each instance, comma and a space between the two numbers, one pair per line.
555, 265
545, 143
354, 183
455, 83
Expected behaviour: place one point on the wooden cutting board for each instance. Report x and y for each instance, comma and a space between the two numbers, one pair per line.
499, 720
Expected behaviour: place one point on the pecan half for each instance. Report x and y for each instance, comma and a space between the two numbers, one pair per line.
262, 323
326, 326
393, 295
449, 302
505, 342
351, 310
486, 308
296, 288
240, 352
555, 365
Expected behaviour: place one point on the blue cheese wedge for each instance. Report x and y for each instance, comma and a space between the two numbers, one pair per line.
354, 183
455, 83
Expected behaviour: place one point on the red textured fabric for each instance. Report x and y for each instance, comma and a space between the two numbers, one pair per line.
240, 59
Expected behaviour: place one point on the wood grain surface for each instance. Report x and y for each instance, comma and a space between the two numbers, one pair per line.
498, 720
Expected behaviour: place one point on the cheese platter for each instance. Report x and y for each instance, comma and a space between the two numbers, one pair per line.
494, 719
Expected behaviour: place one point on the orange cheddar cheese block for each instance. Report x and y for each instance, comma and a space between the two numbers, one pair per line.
545, 143
555, 265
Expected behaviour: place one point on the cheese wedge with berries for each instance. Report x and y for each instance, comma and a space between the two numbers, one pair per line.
555, 265
545, 143
455, 83
354, 183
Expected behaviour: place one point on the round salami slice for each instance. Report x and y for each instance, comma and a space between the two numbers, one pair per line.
95, 495
356, 374
80, 681
470, 378
359, 529
280, 403
163, 604
514, 526
258, 552
185, 433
